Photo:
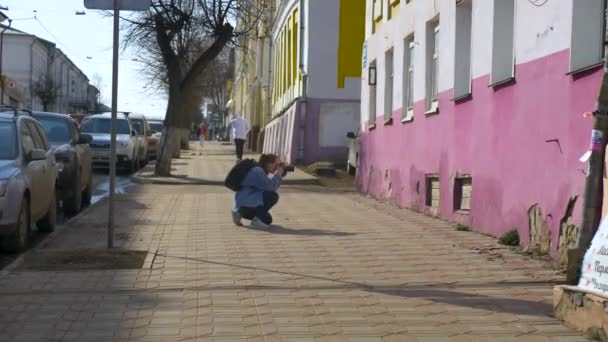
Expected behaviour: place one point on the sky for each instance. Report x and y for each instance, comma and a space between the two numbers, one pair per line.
87, 41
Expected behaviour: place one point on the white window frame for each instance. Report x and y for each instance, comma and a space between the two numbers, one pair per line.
433, 59
389, 83
409, 50
462, 52
588, 34
503, 42
372, 105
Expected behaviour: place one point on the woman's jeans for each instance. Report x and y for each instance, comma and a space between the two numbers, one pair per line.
262, 212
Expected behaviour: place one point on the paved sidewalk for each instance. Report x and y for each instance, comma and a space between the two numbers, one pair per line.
338, 267
208, 166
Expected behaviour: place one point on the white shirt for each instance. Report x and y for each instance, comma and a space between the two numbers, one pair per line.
240, 127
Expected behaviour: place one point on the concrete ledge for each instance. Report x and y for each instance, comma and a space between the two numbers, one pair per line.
582, 310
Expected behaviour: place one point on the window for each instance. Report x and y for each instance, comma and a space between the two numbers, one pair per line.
432, 191
588, 27
503, 54
432, 54
388, 84
408, 78
462, 193
392, 4
27, 141
372, 99
462, 53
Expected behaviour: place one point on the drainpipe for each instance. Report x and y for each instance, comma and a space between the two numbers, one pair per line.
594, 183
304, 85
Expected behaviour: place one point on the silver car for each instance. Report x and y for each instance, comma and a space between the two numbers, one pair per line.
127, 144
28, 175
140, 125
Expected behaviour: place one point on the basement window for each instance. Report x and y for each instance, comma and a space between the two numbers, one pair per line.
463, 187
432, 191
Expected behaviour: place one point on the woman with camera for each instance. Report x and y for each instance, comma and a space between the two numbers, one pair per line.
258, 192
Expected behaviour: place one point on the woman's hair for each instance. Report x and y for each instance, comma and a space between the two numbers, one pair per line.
266, 159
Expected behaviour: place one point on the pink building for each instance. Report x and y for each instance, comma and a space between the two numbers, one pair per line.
472, 110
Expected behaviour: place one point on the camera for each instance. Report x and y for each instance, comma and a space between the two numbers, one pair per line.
287, 167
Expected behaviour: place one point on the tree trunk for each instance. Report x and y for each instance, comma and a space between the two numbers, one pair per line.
185, 140
169, 143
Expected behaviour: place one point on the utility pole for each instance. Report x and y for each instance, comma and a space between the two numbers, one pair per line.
594, 182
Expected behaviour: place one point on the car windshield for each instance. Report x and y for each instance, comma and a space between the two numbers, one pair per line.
8, 141
102, 126
57, 129
138, 126
156, 127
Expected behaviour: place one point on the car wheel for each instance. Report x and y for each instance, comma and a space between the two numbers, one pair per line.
48, 222
87, 194
133, 166
18, 240
73, 204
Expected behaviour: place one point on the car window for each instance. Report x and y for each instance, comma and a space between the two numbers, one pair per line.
75, 131
57, 130
138, 126
157, 127
8, 141
37, 136
42, 133
27, 141
102, 126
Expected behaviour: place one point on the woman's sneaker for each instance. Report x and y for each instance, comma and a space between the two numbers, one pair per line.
236, 217
258, 224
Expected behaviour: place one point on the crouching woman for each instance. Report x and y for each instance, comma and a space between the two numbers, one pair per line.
258, 192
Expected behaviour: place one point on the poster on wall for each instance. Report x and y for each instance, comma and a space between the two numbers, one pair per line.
594, 273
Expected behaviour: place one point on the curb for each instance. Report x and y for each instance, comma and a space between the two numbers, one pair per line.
45, 241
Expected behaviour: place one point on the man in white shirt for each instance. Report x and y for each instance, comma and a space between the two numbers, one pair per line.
240, 128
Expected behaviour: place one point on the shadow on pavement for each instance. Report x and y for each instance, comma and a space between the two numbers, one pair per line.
277, 229
437, 293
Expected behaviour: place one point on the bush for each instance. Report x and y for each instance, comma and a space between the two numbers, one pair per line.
510, 238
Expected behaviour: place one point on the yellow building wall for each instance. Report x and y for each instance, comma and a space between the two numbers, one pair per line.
351, 37
285, 62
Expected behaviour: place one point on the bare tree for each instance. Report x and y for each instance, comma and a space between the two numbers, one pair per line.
178, 39
46, 90
98, 82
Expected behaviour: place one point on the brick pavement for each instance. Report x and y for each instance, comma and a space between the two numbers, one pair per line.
338, 267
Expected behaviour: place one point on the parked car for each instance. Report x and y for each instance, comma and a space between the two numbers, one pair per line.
28, 174
98, 126
157, 127
78, 117
74, 159
140, 125
353, 153
153, 143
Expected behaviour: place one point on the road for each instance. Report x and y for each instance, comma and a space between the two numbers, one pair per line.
101, 183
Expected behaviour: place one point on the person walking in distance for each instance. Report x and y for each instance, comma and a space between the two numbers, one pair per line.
240, 128
202, 131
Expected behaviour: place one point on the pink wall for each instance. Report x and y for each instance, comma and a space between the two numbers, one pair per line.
500, 138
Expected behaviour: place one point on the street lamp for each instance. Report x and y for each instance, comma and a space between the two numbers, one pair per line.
2, 83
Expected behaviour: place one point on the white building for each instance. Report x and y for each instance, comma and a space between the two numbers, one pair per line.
28, 59
316, 78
